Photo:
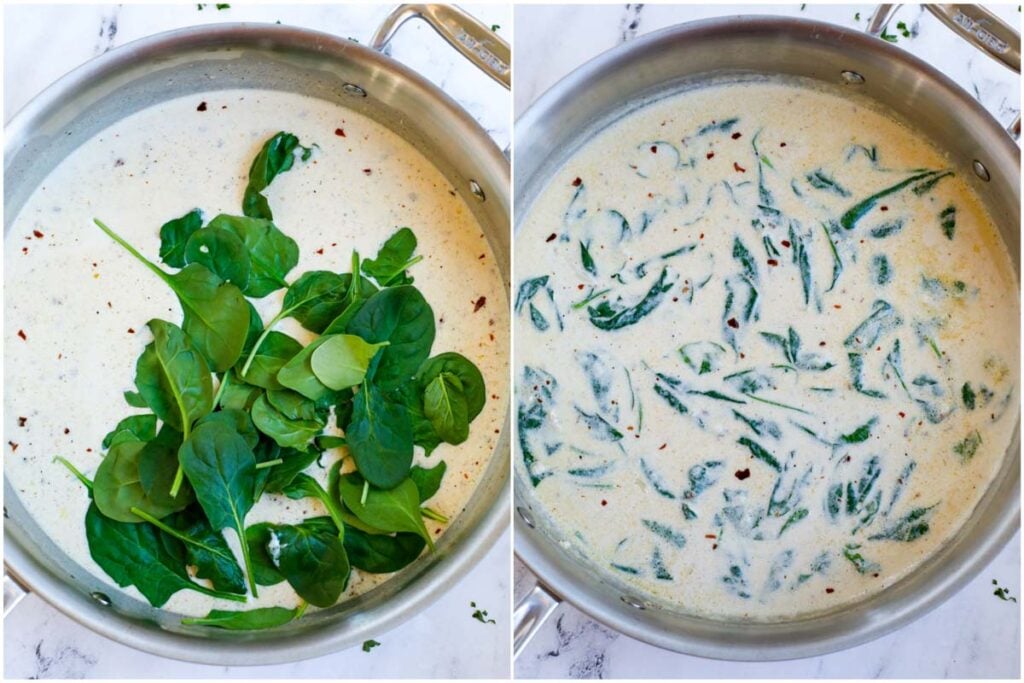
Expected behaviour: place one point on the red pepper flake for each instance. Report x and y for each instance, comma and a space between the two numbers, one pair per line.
742, 474
368, 171
21, 333
38, 234
67, 430
772, 262
201, 107
479, 303
551, 237
710, 536
731, 322
24, 250
701, 236
577, 182
821, 343
876, 575
22, 421
131, 330
663, 447
782, 144
786, 244
711, 155
902, 414
837, 306
654, 149
714, 546
603, 503
320, 251
830, 590
736, 136
13, 446
738, 167
883, 207
481, 257
340, 132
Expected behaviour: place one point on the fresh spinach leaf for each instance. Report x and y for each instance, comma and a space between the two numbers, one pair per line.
222, 252
287, 432
401, 316
174, 235
444, 404
313, 560
393, 510
132, 428
248, 620
222, 470
380, 438
381, 554
173, 377
428, 481
393, 259
272, 254
341, 360
275, 157
473, 387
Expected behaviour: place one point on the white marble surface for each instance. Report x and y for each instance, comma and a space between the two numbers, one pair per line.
44, 42
974, 634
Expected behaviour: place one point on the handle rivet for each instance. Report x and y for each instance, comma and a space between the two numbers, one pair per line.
101, 598
526, 517
477, 191
981, 171
354, 90
633, 602
852, 78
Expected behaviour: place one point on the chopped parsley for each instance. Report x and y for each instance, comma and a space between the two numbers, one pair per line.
369, 645
481, 615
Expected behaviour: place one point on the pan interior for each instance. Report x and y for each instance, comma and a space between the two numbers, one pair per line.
603, 93
326, 70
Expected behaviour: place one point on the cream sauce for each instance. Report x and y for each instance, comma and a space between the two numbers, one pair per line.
82, 302
739, 396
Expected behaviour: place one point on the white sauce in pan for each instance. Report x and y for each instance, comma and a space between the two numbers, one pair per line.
81, 302
778, 398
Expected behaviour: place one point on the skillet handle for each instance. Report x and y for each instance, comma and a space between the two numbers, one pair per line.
530, 614
477, 42
14, 592
975, 24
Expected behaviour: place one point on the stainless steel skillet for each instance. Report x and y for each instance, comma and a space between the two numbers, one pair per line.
359, 78
684, 56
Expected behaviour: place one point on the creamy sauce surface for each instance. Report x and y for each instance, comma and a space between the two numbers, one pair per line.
745, 390
76, 304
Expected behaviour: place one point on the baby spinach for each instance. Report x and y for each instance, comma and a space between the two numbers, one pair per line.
428, 481
401, 316
473, 387
393, 510
341, 360
444, 404
140, 555
612, 316
287, 432
136, 428
222, 470
272, 254
222, 252
380, 438
195, 461
248, 620
174, 235
173, 377
382, 554
275, 157
393, 259
312, 559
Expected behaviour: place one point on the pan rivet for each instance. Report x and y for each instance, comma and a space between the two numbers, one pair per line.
633, 602
477, 191
353, 89
852, 77
100, 598
526, 516
981, 171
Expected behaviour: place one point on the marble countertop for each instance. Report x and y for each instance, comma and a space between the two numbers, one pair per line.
444, 641
984, 640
